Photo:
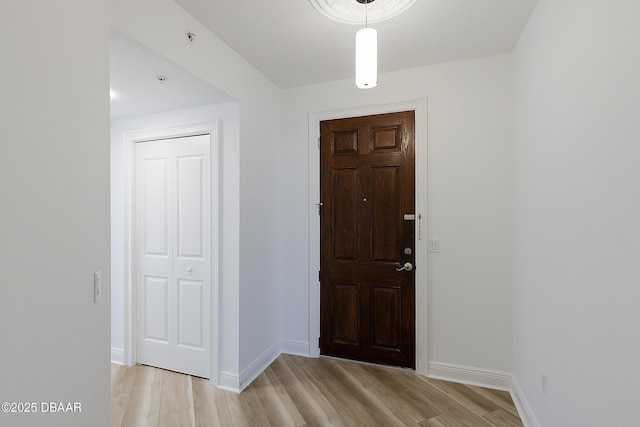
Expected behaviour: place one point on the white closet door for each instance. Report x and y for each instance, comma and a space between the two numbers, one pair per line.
174, 254
192, 250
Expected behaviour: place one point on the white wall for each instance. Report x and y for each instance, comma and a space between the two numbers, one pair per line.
227, 114
469, 199
54, 215
577, 213
250, 266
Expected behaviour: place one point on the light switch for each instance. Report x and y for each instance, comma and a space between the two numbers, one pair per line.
434, 246
97, 281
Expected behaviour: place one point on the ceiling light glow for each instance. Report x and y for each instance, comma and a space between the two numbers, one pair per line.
366, 58
366, 53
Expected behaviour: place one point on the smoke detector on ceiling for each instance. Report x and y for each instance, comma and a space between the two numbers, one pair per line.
353, 11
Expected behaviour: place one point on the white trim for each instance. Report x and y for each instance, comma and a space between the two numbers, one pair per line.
525, 411
216, 179
420, 108
487, 378
256, 367
229, 381
117, 356
295, 348
236, 383
211, 128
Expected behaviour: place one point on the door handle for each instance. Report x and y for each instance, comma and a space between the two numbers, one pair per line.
406, 267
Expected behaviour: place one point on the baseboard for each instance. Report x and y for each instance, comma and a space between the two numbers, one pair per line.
522, 405
117, 356
256, 367
487, 378
295, 348
229, 381
233, 382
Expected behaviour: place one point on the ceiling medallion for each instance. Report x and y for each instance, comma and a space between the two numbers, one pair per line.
353, 12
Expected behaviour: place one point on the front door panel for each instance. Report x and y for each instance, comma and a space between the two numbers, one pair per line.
367, 186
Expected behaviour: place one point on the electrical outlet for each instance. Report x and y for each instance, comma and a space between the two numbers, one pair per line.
543, 382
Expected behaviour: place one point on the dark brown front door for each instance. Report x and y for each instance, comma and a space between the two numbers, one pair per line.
367, 223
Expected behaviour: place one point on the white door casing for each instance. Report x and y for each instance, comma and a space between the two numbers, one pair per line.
173, 254
420, 108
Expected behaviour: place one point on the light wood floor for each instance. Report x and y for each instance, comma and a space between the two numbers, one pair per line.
297, 391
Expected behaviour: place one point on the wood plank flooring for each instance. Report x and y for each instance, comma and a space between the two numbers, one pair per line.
298, 391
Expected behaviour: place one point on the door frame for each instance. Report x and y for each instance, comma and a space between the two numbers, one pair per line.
420, 108
211, 128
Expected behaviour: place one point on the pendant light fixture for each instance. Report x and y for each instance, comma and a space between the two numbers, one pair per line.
366, 53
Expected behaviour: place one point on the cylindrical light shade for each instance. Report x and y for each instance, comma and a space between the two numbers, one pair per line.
366, 58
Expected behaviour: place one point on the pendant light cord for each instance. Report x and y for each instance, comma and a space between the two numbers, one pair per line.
366, 14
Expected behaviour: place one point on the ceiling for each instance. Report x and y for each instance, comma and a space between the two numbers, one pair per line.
134, 69
293, 45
